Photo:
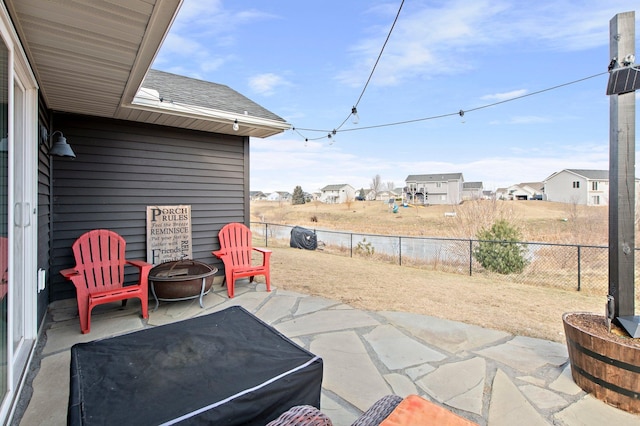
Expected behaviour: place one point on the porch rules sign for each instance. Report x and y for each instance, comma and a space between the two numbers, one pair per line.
168, 233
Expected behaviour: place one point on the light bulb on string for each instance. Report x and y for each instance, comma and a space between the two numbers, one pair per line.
461, 113
306, 141
355, 118
332, 137
236, 126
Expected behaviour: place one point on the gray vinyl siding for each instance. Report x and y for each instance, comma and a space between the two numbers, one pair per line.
122, 167
44, 214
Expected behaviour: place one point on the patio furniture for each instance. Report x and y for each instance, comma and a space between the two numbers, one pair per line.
305, 415
99, 274
181, 280
225, 368
390, 410
236, 248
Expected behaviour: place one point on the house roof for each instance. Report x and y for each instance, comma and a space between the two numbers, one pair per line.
435, 177
92, 57
334, 187
591, 174
472, 185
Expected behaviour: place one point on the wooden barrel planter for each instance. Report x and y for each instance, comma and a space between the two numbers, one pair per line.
607, 365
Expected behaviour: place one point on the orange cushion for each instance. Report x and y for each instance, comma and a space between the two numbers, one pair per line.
414, 410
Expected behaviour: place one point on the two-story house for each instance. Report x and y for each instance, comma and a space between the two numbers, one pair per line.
437, 188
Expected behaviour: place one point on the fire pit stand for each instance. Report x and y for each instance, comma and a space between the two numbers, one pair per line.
181, 280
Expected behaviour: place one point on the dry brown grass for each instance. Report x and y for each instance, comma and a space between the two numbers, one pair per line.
373, 285
538, 220
515, 308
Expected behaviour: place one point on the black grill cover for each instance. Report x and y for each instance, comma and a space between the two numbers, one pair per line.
226, 368
303, 238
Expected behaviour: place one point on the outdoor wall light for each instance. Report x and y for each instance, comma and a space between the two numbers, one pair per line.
236, 126
60, 147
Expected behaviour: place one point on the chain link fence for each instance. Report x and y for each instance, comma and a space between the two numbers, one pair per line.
565, 266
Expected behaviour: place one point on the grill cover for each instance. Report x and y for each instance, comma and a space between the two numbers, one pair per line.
225, 368
303, 238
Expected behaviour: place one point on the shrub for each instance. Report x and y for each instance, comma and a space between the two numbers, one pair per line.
365, 248
498, 249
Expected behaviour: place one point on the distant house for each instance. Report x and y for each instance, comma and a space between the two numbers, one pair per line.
335, 194
279, 196
257, 195
577, 186
472, 190
438, 188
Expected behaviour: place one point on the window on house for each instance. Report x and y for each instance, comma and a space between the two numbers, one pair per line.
594, 185
595, 200
438, 184
576, 184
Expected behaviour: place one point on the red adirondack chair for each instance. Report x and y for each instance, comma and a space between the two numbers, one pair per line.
235, 251
99, 274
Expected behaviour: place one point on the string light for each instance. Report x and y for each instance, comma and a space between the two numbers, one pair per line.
460, 112
354, 114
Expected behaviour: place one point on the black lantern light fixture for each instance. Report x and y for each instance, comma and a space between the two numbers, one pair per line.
59, 146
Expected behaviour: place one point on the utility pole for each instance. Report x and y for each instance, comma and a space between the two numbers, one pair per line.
622, 188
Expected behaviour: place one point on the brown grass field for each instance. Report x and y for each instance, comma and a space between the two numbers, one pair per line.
517, 308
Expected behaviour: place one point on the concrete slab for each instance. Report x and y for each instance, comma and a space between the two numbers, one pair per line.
590, 411
47, 407
458, 384
349, 372
326, 321
448, 335
397, 351
527, 354
509, 407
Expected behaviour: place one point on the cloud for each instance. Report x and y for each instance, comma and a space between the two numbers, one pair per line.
441, 39
504, 96
266, 84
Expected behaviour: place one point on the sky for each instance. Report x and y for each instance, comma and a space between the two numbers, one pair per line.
310, 62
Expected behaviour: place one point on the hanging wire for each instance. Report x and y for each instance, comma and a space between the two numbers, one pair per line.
354, 109
460, 113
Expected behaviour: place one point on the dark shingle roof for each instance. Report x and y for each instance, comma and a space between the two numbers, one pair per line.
190, 91
436, 177
591, 174
472, 185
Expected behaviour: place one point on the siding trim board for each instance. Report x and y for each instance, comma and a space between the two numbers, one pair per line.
122, 167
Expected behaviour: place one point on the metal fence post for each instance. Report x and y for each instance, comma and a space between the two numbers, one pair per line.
351, 245
579, 258
400, 251
470, 257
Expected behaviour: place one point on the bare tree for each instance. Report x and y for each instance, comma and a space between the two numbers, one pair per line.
390, 186
375, 186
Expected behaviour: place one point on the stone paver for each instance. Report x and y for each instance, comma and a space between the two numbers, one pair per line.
527, 354
349, 371
398, 351
458, 384
488, 376
592, 412
509, 407
325, 321
448, 335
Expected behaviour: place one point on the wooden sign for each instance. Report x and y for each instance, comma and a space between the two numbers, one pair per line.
168, 233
